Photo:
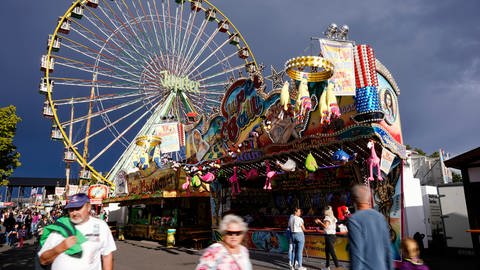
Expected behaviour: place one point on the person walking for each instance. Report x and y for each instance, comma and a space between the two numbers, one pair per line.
297, 227
329, 224
368, 235
28, 223
291, 250
229, 254
21, 234
79, 240
9, 224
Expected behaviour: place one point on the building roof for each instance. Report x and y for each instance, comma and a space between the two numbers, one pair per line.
465, 159
39, 182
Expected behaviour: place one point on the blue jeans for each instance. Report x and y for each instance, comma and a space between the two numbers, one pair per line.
298, 243
291, 254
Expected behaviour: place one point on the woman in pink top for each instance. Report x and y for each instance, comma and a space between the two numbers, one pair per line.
228, 254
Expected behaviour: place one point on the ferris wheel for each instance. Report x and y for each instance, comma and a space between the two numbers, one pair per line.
114, 68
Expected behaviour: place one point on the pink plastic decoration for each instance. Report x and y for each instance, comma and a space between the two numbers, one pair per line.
186, 185
208, 177
234, 181
373, 161
252, 173
270, 175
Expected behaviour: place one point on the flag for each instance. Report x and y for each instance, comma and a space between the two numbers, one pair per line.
341, 56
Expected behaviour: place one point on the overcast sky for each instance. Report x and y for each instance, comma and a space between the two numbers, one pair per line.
430, 47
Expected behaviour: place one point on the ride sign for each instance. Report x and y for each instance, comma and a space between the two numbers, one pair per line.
176, 83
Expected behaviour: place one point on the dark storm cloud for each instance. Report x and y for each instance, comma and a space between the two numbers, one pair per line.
431, 48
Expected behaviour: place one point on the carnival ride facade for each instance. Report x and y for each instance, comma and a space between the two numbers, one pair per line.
305, 143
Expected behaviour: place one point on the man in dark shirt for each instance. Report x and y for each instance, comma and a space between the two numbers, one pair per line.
368, 235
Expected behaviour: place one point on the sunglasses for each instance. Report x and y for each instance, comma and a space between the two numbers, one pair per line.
230, 233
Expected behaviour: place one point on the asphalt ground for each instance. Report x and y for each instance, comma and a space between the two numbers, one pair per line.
150, 255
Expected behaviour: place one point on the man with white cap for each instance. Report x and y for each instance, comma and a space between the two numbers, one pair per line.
78, 241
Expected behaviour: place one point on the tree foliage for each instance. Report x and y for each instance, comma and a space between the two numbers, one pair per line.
456, 177
9, 157
435, 155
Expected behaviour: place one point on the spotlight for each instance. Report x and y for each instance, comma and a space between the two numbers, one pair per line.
331, 31
343, 32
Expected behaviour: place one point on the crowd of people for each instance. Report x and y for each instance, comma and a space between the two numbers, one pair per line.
64, 236
20, 224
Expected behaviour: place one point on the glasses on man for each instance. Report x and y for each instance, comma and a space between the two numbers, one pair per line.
236, 233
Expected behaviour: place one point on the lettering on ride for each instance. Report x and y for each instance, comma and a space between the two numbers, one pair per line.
176, 83
247, 156
244, 107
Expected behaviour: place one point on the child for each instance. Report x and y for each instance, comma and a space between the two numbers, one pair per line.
410, 253
21, 234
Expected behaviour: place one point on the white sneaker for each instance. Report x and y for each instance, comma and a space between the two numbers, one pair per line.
302, 268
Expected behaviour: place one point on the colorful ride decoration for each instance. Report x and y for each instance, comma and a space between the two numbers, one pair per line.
366, 96
269, 175
373, 161
341, 157
148, 151
234, 182
317, 121
97, 193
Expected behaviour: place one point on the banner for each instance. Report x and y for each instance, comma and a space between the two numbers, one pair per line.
341, 55
59, 191
169, 133
386, 160
72, 189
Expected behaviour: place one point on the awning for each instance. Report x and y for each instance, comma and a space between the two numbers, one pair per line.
154, 196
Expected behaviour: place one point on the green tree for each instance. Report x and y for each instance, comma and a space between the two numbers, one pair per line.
419, 151
9, 157
435, 155
456, 177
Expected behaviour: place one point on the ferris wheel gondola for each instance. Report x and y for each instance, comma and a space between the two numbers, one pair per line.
126, 65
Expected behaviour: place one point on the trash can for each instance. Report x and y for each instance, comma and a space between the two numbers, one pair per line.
121, 229
171, 237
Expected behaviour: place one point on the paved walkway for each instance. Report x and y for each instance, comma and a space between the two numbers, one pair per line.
150, 255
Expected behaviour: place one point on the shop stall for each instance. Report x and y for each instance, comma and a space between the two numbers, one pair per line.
334, 124
156, 206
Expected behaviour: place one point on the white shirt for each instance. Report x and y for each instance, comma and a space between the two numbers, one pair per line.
295, 224
332, 225
100, 243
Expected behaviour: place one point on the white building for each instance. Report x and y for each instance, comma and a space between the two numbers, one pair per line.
430, 171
